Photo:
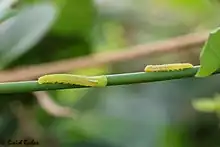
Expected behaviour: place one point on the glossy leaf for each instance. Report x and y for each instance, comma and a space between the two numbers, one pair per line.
20, 33
66, 41
210, 55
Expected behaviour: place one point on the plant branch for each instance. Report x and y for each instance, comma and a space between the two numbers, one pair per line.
185, 42
52, 108
116, 79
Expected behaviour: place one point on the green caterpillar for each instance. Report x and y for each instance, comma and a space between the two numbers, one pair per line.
167, 67
92, 81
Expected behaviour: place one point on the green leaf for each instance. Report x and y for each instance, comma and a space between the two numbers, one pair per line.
76, 17
22, 32
189, 5
8, 15
210, 55
5, 5
66, 41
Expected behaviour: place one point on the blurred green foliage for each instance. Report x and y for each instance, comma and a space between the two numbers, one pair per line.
68, 37
156, 114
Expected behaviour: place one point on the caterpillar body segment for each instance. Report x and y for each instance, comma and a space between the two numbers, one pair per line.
167, 67
95, 81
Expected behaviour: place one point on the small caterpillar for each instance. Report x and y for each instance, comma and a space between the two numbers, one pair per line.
167, 67
92, 81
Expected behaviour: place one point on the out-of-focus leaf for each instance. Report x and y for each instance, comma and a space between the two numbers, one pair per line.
195, 5
19, 34
68, 44
113, 34
204, 105
76, 17
5, 5
207, 104
8, 14
210, 55
174, 136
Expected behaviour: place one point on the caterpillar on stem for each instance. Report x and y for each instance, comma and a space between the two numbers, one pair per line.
92, 81
167, 67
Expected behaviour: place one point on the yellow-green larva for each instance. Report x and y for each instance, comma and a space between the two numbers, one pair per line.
92, 81
167, 67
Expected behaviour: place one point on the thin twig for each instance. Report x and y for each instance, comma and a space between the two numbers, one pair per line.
112, 80
52, 108
185, 42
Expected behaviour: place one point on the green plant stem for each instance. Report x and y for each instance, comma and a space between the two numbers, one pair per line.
117, 79
144, 77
